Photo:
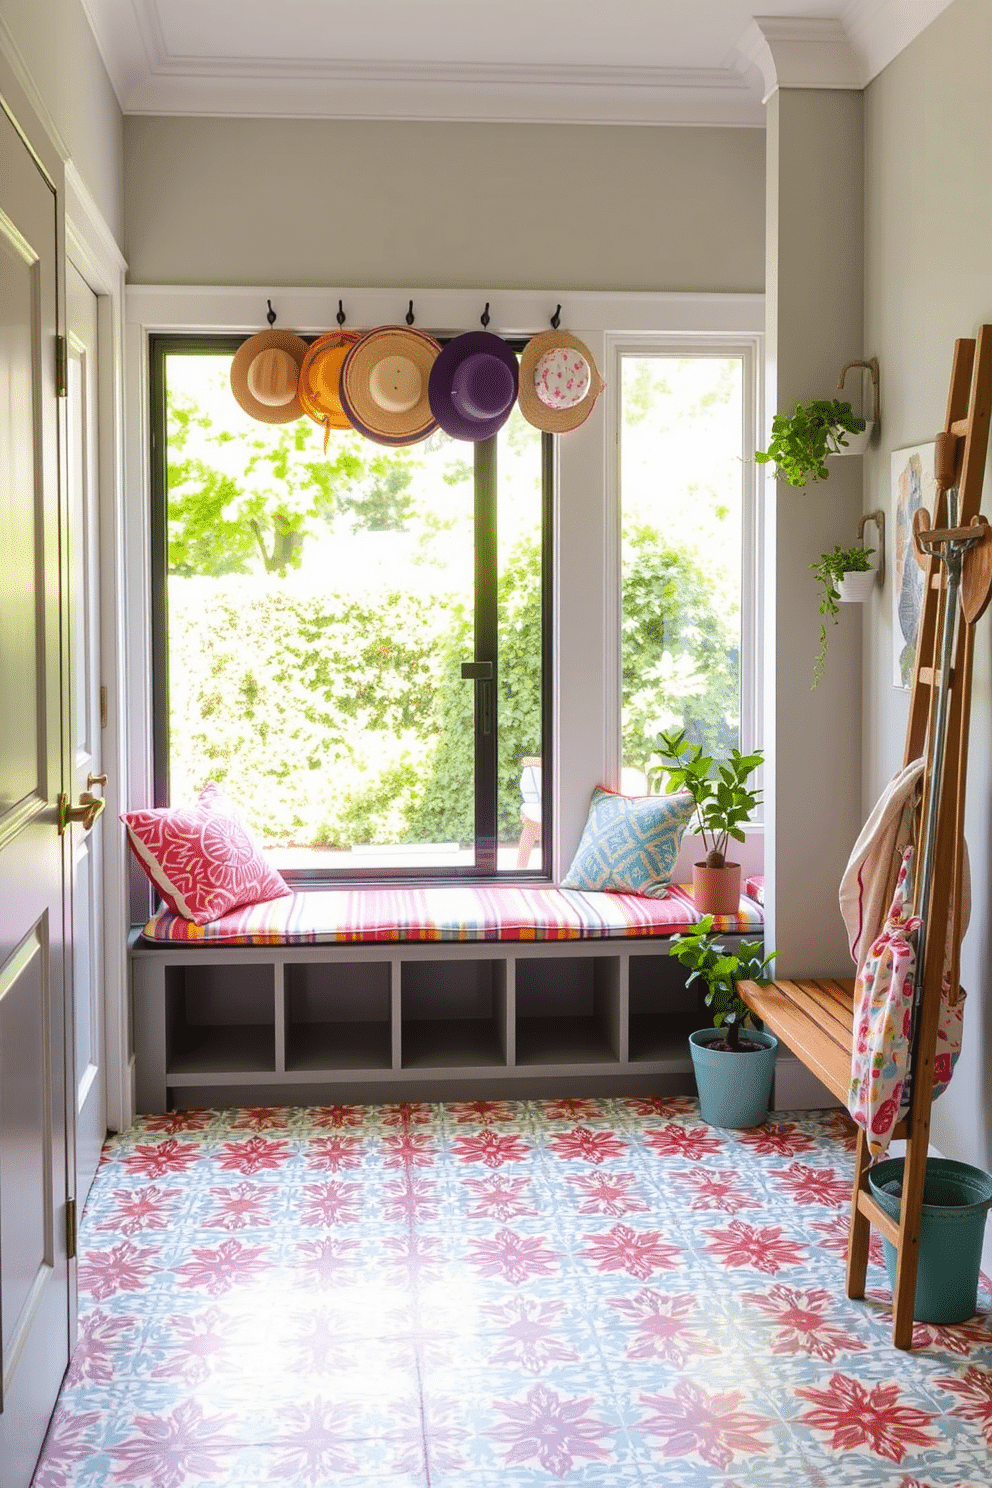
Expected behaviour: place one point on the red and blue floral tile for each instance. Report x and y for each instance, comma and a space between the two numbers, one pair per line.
497, 1295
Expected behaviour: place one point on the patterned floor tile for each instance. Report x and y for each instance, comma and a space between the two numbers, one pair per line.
603, 1293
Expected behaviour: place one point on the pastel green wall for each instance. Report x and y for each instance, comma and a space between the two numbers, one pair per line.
512, 206
928, 280
55, 44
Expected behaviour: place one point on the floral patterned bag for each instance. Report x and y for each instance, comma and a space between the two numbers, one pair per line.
883, 1024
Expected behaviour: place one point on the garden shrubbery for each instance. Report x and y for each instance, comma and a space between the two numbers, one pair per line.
343, 720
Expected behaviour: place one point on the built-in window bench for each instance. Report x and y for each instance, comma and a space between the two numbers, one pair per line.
452, 992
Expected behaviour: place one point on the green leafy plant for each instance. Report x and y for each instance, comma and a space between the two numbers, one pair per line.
723, 801
708, 960
829, 569
802, 440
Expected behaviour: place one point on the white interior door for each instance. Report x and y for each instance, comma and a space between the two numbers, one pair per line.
35, 1162
82, 468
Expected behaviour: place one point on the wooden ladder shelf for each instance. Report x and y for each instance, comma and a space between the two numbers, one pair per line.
815, 1016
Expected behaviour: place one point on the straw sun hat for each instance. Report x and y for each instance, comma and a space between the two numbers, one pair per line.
384, 383
264, 375
559, 382
320, 378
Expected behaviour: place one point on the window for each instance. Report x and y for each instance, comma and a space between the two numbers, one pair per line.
682, 479
354, 644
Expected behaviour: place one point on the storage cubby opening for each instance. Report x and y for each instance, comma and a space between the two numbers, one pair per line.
663, 1010
454, 1014
338, 1016
568, 1010
219, 1019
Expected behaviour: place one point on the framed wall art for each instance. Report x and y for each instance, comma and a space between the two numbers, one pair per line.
913, 486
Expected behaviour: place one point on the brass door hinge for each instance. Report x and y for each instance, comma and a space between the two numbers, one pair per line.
103, 707
61, 367
70, 1229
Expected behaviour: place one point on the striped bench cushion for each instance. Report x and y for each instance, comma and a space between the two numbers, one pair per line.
449, 912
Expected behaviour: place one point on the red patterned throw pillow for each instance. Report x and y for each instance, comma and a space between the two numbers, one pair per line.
201, 858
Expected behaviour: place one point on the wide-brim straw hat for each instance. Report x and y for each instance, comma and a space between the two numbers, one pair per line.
559, 382
320, 379
473, 385
384, 383
265, 375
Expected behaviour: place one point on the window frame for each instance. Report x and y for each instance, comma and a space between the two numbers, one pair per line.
748, 348
486, 628
585, 727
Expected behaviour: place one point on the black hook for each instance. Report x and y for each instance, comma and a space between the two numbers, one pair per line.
409, 314
271, 317
556, 319
484, 317
340, 314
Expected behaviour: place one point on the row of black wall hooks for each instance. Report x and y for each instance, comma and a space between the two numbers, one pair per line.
410, 317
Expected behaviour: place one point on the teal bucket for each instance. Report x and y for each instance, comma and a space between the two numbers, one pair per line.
734, 1089
956, 1200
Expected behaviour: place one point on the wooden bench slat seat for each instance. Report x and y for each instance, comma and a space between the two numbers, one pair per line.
815, 1018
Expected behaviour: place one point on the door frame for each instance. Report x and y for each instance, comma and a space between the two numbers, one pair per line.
94, 253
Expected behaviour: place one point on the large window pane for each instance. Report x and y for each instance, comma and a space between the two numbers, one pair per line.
319, 609
681, 507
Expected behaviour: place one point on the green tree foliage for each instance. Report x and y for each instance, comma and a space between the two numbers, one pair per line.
338, 721
312, 711
237, 501
680, 649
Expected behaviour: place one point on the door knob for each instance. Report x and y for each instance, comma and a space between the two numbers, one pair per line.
85, 813
92, 780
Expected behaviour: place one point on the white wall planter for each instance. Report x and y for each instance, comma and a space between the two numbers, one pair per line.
857, 444
856, 587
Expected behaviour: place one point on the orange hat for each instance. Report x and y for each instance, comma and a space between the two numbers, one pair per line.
320, 377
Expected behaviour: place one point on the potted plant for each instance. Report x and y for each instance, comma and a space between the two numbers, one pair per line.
733, 1063
845, 576
723, 802
801, 441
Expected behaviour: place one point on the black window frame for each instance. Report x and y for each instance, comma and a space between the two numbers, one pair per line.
160, 346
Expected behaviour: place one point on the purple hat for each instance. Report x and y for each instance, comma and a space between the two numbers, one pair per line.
473, 385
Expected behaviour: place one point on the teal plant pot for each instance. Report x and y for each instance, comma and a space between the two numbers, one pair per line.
956, 1201
734, 1089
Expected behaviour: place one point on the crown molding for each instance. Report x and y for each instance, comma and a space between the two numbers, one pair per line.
880, 29
485, 93
794, 52
787, 51
124, 42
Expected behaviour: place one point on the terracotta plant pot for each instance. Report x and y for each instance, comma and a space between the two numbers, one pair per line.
716, 890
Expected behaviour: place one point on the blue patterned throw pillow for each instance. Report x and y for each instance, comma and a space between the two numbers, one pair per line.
630, 843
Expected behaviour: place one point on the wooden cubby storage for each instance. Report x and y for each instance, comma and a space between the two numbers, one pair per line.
426, 1021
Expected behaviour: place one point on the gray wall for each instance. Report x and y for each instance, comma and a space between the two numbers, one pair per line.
55, 44
815, 324
310, 202
928, 215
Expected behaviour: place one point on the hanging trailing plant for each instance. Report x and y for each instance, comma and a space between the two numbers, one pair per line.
801, 441
829, 568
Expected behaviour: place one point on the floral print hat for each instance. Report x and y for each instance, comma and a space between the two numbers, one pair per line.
559, 382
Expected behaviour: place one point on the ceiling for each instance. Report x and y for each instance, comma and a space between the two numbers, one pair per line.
626, 61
